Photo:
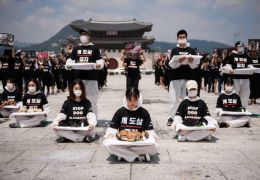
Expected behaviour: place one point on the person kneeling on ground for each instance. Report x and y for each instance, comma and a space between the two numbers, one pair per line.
131, 118
228, 100
10, 96
192, 121
76, 111
33, 101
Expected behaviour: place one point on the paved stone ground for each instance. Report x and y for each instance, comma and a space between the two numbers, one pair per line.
32, 153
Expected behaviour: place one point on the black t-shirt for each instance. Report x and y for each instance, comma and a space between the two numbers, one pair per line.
238, 61
192, 112
86, 54
256, 62
132, 120
230, 102
15, 95
183, 71
76, 112
132, 67
34, 101
18, 67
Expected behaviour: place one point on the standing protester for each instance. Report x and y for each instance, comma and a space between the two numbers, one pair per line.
29, 70
255, 79
239, 59
18, 70
57, 75
6, 66
179, 74
45, 74
132, 63
85, 53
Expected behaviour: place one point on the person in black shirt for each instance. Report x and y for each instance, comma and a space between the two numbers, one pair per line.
180, 73
132, 67
255, 79
10, 96
193, 112
87, 54
33, 101
18, 70
239, 60
228, 100
131, 117
76, 111
6, 67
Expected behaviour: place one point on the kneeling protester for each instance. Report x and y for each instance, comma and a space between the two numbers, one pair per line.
131, 135
76, 122
34, 110
192, 121
229, 110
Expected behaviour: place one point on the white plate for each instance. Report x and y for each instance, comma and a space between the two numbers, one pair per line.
69, 128
27, 114
196, 59
115, 141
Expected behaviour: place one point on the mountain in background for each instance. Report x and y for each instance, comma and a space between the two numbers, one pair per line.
54, 43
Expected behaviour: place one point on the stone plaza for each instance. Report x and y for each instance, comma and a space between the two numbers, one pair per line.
32, 153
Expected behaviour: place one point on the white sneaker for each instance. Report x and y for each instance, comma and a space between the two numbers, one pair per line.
147, 157
141, 158
181, 138
208, 138
119, 158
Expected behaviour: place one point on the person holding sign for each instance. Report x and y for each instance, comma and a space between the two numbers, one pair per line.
238, 66
131, 134
229, 101
76, 113
182, 65
192, 121
86, 62
133, 57
35, 107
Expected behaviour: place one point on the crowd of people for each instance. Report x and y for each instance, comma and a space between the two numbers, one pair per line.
31, 80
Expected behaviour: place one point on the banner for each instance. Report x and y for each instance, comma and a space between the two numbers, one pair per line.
6, 39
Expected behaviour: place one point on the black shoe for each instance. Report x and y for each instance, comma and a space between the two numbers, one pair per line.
14, 125
223, 125
170, 121
89, 139
247, 125
62, 140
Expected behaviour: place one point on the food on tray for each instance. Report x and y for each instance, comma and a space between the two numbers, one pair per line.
23, 109
132, 136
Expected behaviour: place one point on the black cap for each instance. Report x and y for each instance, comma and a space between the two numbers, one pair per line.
239, 44
84, 30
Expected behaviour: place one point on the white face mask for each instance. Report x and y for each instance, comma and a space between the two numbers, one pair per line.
32, 89
229, 89
240, 50
84, 39
192, 93
77, 92
182, 41
10, 86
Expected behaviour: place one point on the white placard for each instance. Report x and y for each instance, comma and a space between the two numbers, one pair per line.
115, 141
195, 128
81, 66
196, 59
69, 128
27, 114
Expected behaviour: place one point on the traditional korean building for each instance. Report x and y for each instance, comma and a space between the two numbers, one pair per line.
111, 36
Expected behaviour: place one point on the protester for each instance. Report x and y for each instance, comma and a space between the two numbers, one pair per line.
76, 111
193, 112
179, 74
132, 117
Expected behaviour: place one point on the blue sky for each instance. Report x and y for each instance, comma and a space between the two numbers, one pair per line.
213, 20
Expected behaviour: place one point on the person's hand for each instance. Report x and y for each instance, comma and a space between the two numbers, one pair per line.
182, 58
91, 126
54, 125
231, 71
190, 59
98, 66
109, 136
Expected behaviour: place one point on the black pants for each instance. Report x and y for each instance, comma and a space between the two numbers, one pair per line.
132, 82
